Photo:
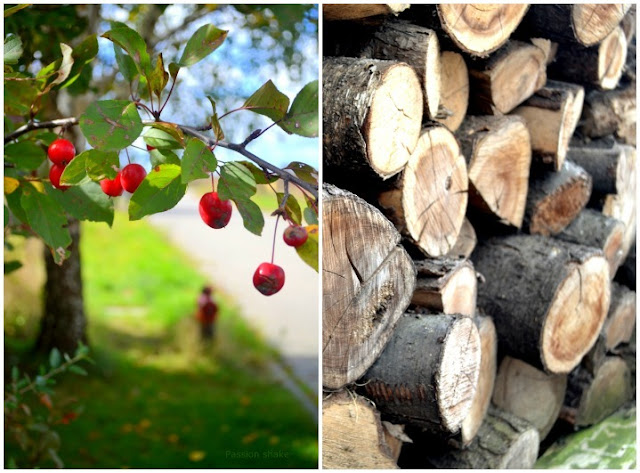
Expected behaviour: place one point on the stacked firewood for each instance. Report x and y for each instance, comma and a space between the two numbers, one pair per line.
480, 201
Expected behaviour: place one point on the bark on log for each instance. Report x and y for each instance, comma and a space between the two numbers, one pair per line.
627, 271
606, 166
529, 393
507, 78
610, 112
621, 319
548, 298
427, 374
352, 435
466, 242
600, 65
498, 154
556, 198
454, 90
447, 286
339, 11
504, 441
591, 398
591, 228
428, 201
552, 115
486, 379
368, 281
586, 24
372, 111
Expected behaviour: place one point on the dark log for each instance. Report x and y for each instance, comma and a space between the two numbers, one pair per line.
454, 90
627, 271
606, 166
610, 112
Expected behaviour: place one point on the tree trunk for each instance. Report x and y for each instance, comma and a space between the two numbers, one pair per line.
548, 298
64, 324
529, 393
352, 435
454, 90
507, 78
446, 286
427, 202
599, 65
427, 374
372, 112
466, 242
552, 114
610, 112
368, 281
621, 319
331, 11
498, 153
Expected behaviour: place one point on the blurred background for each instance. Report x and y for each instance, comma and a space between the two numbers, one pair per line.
157, 396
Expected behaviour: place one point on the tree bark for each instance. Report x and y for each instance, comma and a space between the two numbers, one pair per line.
331, 11
610, 112
454, 90
372, 111
548, 298
556, 198
552, 114
621, 319
498, 154
446, 286
507, 78
607, 167
368, 281
427, 374
352, 434
427, 202
529, 393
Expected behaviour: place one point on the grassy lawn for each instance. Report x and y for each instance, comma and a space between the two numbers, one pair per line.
156, 398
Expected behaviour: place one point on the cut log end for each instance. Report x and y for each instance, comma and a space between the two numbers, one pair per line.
620, 324
454, 89
612, 56
577, 313
593, 22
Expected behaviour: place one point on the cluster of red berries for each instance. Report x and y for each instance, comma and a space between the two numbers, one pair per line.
60, 152
129, 178
269, 277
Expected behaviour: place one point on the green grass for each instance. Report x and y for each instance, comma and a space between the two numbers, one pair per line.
156, 397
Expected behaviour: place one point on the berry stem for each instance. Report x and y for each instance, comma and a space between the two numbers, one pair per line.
273, 248
127, 152
213, 185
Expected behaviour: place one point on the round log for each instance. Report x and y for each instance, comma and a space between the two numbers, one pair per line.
367, 283
454, 90
621, 319
354, 11
610, 112
466, 242
498, 153
548, 298
372, 112
607, 166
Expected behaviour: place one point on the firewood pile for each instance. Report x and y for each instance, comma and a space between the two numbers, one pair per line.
478, 229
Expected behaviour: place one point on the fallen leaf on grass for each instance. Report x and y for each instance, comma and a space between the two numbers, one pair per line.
249, 438
197, 455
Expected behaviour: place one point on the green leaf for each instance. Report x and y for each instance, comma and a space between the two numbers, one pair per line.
111, 125
46, 217
26, 155
101, 164
173, 70
308, 252
217, 129
159, 77
14, 201
15, 373
17, 8
134, 45
76, 171
19, 95
11, 266
258, 174
236, 182
197, 161
203, 42
304, 172
163, 156
252, 217
291, 207
302, 117
125, 64
268, 101
82, 350
86, 202
12, 48
60, 68
6, 214
161, 190
310, 216
55, 358
164, 137
82, 54
77, 370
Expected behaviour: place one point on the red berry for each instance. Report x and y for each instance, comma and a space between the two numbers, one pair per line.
268, 278
150, 148
54, 176
112, 187
295, 236
215, 212
131, 177
61, 151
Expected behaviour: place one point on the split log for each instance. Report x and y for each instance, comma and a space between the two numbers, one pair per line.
352, 435
592, 397
552, 114
627, 271
428, 201
548, 298
466, 242
498, 153
549, 47
354, 11
372, 111
621, 319
600, 65
529, 393
507, 78
610, 112
454, 90
447, 286
591, 228
427, 374
368, 281
486, 379
556, 198
586, 24
504, 441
